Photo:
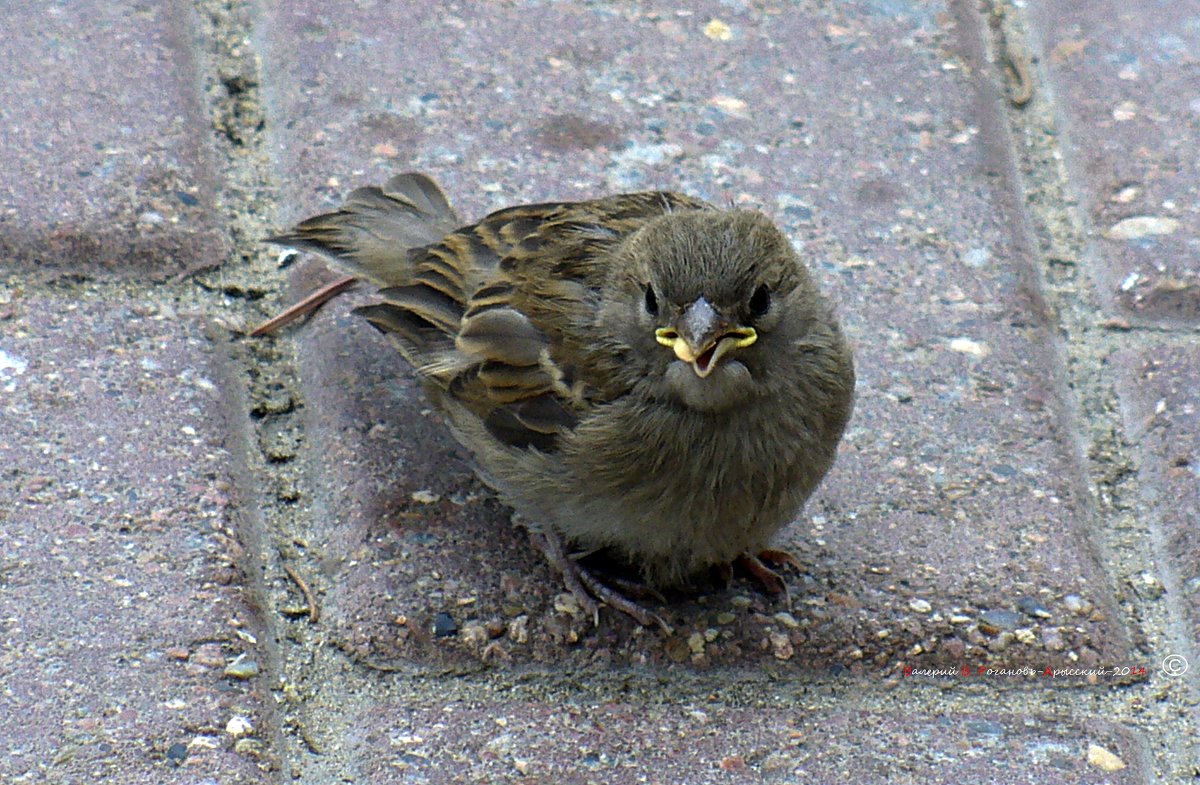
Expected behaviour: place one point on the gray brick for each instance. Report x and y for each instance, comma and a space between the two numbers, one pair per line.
576, 744
1124, 77
119, 594
1160, 396
108, 161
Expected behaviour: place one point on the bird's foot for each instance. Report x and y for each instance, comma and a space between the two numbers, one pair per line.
587, 588
756, 566
780, 558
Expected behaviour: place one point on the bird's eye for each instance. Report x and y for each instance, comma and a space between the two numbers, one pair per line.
651, 301
760, 301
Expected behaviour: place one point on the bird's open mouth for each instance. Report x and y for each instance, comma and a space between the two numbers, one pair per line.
706, 361
701, 336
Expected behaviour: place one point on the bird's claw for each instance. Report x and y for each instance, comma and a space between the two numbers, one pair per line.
756, 567
587, 588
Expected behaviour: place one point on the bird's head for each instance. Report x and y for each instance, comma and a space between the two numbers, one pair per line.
706, 305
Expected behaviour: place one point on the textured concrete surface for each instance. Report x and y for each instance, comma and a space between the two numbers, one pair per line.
1160, 390
999, 578
109, 161
1126, 79
697, 744
121, 606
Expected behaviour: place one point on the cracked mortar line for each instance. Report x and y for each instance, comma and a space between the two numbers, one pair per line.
1059, 232
252, 371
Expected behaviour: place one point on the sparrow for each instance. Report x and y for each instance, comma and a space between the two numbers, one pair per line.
643, 375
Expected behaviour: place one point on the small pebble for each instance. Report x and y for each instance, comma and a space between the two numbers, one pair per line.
787, 620
567, 603
696, 643
518, 629
1147, 586
976, 257
728, 104
781, 646
725, 617
177, 752
205, 742
985, 727
918, 121
474, 634
967, 346
1103, 759
1126, 110
425, 496
920, 606
238, 727
1126, 194
209, 655
1026, 636
1001, 642
995, 620
251, 748
1031, 607
1141, 226
242, 667
718, 30
1077, 605
444, 625
1002, 472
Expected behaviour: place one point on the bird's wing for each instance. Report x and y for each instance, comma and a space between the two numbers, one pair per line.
371, 233
509, 351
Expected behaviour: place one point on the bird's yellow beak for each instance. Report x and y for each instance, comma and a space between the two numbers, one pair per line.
701, 337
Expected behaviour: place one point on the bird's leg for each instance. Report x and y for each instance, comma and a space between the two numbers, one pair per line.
633, 589
552, 548
756, 567
723, 574
586, 587
779, 558
614, 599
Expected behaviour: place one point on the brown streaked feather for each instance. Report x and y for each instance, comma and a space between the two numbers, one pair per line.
371, 233
523, 319
504, 335
414, 335
422, 192
489, 312
432, 305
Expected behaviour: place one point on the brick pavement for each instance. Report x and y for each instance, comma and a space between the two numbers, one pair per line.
1018, 488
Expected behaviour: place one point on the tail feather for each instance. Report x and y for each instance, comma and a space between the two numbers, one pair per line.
370, 236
